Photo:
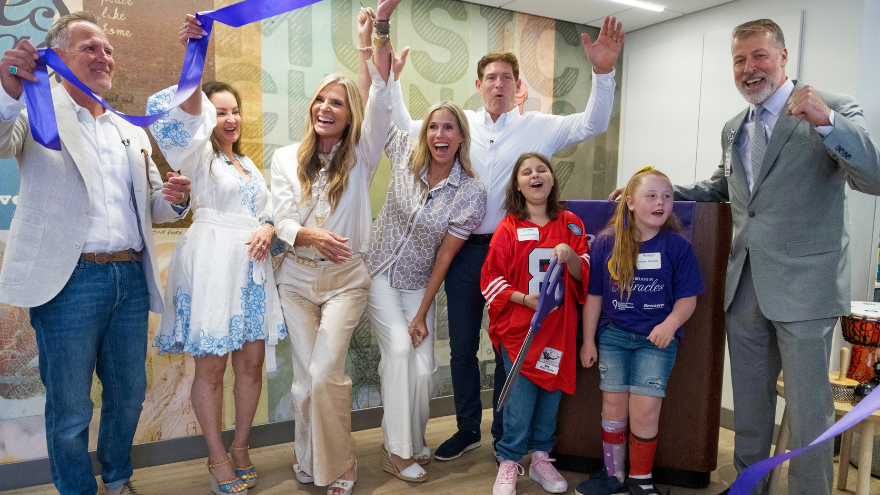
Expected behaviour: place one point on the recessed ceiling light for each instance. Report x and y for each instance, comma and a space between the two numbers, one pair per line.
643, 5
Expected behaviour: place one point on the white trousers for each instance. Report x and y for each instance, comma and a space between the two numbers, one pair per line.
407, 373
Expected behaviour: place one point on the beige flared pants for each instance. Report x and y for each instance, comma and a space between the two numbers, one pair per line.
321, 311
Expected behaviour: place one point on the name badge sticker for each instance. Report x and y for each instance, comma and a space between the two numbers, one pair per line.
528, 234
549, 360
649, 261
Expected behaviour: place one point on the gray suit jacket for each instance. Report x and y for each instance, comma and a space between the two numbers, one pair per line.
53, 213
792, 227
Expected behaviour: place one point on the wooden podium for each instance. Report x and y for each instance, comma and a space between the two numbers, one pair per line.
687, 447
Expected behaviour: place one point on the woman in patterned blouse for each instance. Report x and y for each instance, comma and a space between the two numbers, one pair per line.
434, 201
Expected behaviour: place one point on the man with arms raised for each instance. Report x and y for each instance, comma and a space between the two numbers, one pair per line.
499, 135
785, 161
80, 253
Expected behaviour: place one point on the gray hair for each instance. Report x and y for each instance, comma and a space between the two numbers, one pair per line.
760, 26
58, 35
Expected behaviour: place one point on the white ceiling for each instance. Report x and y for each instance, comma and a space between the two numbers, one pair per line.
593, 12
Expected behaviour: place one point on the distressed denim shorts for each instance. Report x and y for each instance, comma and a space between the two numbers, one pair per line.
629, 362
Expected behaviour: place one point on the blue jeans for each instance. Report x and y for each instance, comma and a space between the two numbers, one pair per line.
529, 418
629, 362
465, 303
97, 323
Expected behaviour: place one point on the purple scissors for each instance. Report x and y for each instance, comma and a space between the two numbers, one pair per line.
552, 292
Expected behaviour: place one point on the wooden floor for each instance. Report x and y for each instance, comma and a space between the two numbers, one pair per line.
474, 473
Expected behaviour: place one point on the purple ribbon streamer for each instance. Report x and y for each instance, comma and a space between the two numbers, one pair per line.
750, 477
38, 95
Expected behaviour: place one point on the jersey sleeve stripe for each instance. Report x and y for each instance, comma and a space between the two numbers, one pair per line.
498, 288
499, 291
489, 288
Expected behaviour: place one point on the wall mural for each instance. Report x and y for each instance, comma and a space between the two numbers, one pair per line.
276, 65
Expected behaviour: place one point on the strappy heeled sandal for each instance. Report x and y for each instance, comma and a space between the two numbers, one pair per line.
247, 474
347, 485
235, 486
414, 473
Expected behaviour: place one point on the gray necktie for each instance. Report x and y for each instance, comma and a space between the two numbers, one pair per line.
758, 144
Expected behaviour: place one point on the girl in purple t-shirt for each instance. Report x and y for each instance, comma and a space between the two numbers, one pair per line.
643, 287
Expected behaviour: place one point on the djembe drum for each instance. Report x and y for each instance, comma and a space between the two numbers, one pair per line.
861, 329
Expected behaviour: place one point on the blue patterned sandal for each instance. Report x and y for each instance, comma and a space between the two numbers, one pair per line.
235, 486
247, 474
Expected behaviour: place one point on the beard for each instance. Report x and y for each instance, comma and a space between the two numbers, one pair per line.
771, 84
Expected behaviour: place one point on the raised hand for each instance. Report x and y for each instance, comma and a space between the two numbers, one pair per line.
386, 8
191, 29
397, 62
366, 19
604, 52
806, 103
17, 64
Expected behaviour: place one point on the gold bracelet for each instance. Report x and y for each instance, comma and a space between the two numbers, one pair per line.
381, 41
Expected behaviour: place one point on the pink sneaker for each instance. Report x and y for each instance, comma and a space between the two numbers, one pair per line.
544, 473
505, 482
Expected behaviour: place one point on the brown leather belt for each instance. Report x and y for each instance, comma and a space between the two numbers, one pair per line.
111, 257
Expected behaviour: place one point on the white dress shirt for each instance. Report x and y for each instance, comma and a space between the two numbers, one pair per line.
495, 146
773, 107
114, 223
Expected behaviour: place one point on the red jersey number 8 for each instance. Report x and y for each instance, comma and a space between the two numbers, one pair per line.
539, 259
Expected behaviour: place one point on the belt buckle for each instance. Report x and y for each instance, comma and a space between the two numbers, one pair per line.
101, 258
307, 262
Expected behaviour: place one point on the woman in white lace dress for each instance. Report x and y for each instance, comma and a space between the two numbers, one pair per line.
220, 295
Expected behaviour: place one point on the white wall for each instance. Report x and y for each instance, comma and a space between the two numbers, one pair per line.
838, 53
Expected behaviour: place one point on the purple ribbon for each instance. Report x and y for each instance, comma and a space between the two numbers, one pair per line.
38, 95
750, 477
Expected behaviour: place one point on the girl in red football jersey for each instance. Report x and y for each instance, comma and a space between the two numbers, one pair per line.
535, 229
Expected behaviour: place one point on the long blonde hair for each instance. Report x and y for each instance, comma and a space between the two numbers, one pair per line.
421, 157
625, 253
344, 159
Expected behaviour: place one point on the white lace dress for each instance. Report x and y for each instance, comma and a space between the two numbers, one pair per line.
216, 298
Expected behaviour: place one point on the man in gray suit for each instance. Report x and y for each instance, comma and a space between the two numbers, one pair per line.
80, 253
785, 162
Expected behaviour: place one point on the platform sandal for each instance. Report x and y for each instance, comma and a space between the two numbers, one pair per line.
235, 486
414, 473
247, 474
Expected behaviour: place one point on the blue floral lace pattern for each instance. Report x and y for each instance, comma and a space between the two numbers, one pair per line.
245, 327
248, 189
167, 132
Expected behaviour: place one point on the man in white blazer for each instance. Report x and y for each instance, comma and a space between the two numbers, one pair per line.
80, 253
